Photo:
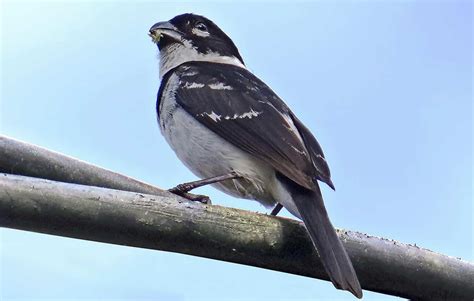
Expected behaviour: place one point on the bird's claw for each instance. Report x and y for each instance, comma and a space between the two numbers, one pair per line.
204, 199
185, 187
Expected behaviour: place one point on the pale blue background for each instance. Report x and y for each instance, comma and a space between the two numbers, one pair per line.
386, 87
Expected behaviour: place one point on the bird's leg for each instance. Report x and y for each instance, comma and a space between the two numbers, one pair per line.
186, 187
277, 209
183, 189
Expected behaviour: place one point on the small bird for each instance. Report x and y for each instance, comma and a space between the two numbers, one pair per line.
229, 128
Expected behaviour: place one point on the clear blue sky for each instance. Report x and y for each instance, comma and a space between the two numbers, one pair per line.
386, 87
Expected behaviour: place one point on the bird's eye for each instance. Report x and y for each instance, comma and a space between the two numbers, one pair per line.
201, 26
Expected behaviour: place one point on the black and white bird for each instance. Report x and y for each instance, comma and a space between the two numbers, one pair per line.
220, 119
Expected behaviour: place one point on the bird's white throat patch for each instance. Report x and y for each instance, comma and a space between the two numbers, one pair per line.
177, 54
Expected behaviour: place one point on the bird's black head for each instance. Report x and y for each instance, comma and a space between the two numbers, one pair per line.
191, 37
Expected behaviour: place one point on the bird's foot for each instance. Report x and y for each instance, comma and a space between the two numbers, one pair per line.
204, 199
183, 189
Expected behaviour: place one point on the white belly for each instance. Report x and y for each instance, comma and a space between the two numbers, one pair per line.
208, 155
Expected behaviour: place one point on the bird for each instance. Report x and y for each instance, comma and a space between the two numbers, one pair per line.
232, 130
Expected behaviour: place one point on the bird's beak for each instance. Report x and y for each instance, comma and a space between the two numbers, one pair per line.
161, 29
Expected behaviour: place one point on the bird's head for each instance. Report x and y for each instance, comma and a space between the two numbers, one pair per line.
191, 37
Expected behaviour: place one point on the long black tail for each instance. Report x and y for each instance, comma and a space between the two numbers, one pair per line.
331, 251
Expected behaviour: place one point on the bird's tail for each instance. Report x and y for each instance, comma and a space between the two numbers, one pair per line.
331, 251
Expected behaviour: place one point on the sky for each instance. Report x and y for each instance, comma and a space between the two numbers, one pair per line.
385, 86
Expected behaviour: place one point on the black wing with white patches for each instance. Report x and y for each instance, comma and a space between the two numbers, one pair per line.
240, 108
316, 152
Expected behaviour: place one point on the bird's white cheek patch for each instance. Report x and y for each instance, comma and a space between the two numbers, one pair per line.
200, 33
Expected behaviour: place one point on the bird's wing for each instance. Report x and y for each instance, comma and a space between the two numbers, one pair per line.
243, 110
